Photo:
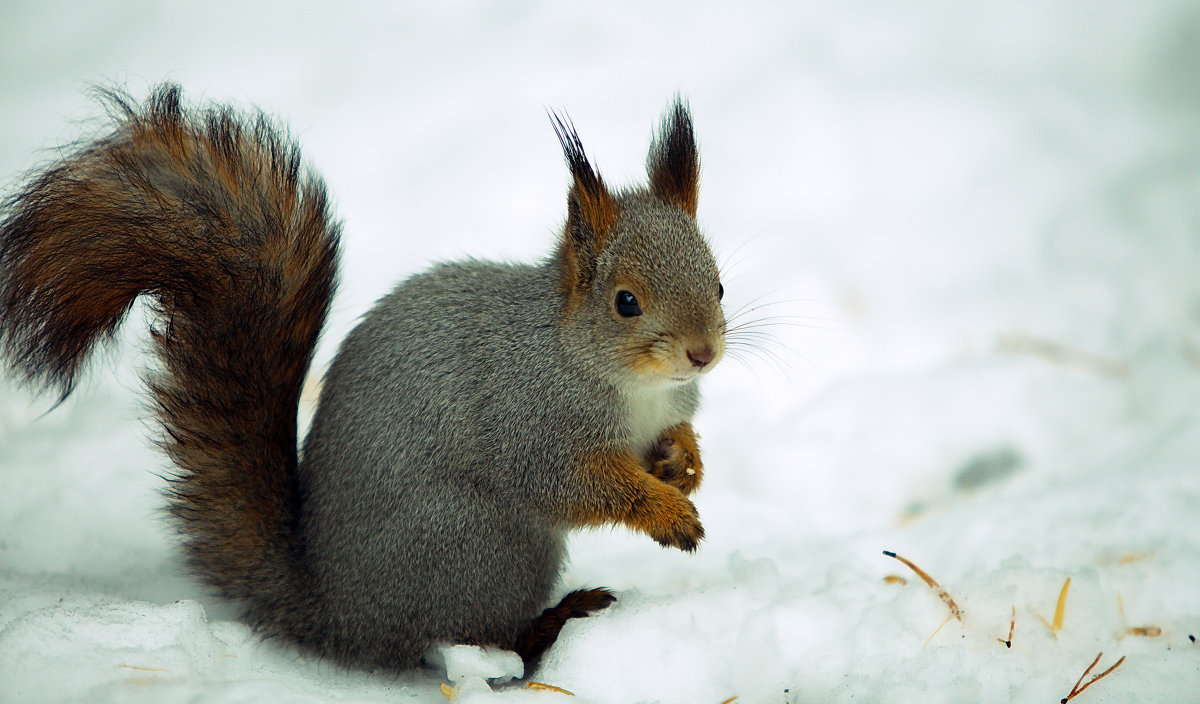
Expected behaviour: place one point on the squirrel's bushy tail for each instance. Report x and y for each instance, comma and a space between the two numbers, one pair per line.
209, 215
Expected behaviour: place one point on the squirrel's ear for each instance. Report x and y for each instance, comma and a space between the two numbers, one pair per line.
591, 213
674, 164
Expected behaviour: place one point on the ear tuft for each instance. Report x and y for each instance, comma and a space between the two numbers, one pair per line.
596, 205
591, 214
674, 163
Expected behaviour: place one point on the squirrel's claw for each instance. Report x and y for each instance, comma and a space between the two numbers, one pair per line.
685, 533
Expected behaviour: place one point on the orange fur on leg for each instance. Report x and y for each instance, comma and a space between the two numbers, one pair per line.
617, 489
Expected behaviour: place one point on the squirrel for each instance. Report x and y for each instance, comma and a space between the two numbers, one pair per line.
475, 414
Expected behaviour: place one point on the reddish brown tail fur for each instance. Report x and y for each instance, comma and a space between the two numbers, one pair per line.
210, 217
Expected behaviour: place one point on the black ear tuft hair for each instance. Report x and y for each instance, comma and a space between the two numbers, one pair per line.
591, 213
674, 163
586, 178
589, 203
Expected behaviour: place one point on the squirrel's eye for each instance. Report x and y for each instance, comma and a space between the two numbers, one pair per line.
720, 291
627, 305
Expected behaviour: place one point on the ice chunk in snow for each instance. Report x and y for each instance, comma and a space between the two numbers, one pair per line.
469, 667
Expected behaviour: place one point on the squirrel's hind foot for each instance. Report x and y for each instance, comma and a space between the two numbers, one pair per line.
544, 629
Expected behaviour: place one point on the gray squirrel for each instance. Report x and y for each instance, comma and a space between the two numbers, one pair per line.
476, 414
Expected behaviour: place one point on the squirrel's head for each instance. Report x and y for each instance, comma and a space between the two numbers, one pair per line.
636, 274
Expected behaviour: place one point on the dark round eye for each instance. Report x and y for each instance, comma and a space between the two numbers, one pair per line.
627, 305
720, 291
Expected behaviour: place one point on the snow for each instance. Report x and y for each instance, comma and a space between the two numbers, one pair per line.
975, 227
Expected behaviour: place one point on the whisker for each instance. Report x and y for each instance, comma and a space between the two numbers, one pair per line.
744, 355
725, 265
746, 309
766, 325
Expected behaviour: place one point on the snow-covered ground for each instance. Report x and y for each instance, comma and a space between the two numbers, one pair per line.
975, 225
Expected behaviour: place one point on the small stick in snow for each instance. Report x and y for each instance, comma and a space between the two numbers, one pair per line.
547, 688
1012, 626
729, 700
935, 632
1059, 610
1147, 631
1058, 353
1076, 690
144, 668
942, 594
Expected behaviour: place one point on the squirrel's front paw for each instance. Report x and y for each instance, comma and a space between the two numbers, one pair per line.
675, 459
683, 529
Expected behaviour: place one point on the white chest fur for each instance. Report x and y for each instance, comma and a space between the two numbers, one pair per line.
650, 411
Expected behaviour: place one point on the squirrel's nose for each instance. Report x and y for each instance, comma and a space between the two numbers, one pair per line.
701, 357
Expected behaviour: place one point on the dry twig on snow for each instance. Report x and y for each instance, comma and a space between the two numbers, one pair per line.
1076, 690
942, 593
